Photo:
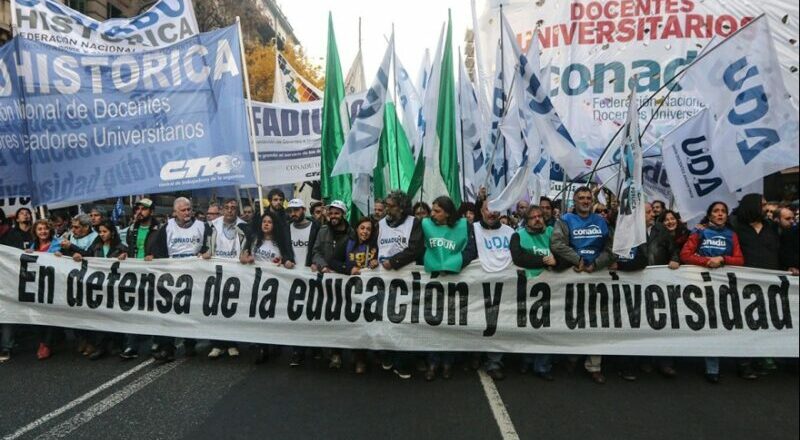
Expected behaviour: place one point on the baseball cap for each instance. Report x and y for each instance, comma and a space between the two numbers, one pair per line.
296, 203
145, 203
338, 204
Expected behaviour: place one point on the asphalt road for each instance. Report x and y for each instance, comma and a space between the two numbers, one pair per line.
197, 398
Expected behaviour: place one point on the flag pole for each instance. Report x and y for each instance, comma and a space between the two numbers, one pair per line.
503, 78
394, 120
250, 127
461, 125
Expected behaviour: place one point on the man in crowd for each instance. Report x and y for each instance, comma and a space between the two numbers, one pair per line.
492, 240
546, 206
379, 210
530, 249
400, 242
97, 215
19, 237
213, 212
80, 236
658, 208
59, 224
582, 240
276, 198
789, 252
139, 241
226, 240
303, 233
520, 210
336, 231
248, 212
318, 213
182, 237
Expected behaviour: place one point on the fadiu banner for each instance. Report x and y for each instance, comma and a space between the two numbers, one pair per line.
96, 126
691, 311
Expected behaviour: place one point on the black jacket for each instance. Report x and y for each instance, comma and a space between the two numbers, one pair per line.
523, 258
789, 252
16, 238
96, 250
661, 248
133, 231
312, 237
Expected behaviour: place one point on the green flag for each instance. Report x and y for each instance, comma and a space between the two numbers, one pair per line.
395, 161
339, 187
446, 127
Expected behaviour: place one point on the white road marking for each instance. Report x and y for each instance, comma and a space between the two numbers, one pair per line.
507, 430
47, 417
106, 404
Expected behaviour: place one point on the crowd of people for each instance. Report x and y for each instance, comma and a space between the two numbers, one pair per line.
440, 237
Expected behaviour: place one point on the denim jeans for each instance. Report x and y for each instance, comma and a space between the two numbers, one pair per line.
542, 363
712, 365
494, 361
436, 358
7, 340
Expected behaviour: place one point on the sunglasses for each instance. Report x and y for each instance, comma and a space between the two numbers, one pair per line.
601, 211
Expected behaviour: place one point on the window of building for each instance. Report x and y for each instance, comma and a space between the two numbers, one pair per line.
78, 5
113, 11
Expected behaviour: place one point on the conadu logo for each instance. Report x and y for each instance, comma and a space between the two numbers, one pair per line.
200, 167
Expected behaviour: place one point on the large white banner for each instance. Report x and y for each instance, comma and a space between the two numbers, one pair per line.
165, 23
596, 46
692, 311
289, 139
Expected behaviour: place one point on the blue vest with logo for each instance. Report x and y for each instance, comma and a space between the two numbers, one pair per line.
586, 235
715, 242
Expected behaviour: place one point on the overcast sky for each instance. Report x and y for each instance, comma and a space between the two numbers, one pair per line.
417, 25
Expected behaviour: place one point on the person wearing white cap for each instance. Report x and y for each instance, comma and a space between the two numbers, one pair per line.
336, 231
302, 230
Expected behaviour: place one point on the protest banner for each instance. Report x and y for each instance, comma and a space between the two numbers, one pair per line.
165, 23
692, 311
289, 139
10, 205
596, 47
99, 126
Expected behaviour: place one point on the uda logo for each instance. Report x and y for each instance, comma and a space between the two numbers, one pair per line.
200, 167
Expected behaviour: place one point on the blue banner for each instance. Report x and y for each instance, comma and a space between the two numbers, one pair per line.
14, 168
101, 126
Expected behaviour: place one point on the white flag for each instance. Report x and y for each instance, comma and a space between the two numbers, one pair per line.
433, 184
359, 153
472, 136
631, 230
410, 104
756, 132
290, 87
355, 82
694, 175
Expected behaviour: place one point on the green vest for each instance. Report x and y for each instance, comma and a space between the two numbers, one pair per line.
444, 245
538, 244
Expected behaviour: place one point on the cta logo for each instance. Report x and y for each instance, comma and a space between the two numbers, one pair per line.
200, 167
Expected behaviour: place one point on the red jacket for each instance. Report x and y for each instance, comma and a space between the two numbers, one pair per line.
689, 252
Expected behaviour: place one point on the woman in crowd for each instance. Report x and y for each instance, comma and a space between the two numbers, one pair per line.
268, 243
353, 255
449, 247
107, 245
677, 230
715, 245
467, 210
45, 241
601, 210
421, 210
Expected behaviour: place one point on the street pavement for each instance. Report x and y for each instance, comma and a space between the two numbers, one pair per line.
69, 396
